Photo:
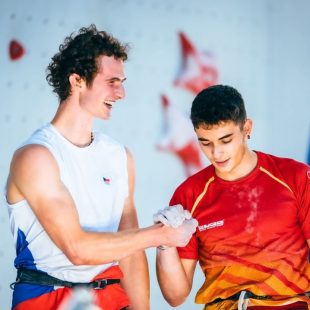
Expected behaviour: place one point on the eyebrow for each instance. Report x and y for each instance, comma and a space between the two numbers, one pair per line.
116, 79
224, 137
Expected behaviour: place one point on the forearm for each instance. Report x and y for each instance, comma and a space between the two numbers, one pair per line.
85, 247
171, 276
136, 280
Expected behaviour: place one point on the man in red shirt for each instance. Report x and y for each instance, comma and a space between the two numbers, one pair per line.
253, 209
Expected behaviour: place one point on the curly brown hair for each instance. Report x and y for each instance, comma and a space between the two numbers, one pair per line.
79, 54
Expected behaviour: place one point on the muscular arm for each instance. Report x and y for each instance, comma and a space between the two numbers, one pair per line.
134, 267
175, 275
35, 176
308, 241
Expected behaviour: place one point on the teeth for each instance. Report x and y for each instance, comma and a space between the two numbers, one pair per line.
108, 102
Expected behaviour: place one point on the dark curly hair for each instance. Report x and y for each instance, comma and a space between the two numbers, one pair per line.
216, 104
78, 54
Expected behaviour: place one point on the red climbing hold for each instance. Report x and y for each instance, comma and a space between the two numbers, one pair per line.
16, 50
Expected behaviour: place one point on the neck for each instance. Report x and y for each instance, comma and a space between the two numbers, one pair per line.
75, 127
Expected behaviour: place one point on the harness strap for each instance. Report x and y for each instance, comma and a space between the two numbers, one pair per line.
37, 277
250, 295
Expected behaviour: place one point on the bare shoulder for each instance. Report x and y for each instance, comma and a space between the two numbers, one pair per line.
31, 164
31, 159
31, 152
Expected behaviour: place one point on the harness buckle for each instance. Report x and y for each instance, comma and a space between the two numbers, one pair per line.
100, 284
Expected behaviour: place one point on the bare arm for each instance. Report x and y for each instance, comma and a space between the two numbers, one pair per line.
134, 267
35, 176
308, 241
175, 275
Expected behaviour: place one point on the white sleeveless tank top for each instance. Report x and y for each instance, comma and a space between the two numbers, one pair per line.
96, 177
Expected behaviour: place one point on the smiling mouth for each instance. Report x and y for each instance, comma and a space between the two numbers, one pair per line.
109, 104
222, 163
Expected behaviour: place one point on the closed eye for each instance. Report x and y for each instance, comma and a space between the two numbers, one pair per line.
205, 144
224, 141
116, 80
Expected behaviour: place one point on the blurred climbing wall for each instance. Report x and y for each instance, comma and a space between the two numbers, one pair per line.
261, 47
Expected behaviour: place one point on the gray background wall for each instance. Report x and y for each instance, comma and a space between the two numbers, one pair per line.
261, 47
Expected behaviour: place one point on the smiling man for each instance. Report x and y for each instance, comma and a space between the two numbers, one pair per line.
70, 191
253, 210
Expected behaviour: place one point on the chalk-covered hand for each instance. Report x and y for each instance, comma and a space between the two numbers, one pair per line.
177, 237
172, 216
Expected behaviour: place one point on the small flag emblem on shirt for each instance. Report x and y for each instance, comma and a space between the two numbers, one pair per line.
106, 180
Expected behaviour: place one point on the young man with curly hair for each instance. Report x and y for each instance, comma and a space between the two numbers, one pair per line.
70, 191
253, 210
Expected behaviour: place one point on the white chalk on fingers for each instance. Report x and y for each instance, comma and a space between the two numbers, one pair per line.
160, 218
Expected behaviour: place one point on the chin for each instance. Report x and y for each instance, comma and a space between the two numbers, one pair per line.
226, 169
223, 170
105, 117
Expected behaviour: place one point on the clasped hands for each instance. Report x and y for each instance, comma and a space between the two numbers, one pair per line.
178, 218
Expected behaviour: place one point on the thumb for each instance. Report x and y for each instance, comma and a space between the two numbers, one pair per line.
193, 223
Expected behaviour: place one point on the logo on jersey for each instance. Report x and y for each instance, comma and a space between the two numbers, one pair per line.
106, 180
308, 174
211, 225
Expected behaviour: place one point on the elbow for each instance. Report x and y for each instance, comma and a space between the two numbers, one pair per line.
77, 261
76, 255
76, 258
175, 301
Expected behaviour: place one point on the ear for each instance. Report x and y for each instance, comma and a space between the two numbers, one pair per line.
247, 128
76, 81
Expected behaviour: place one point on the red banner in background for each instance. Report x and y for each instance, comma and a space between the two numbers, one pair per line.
197, 72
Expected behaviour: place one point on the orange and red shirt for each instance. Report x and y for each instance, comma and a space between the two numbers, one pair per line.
252, 233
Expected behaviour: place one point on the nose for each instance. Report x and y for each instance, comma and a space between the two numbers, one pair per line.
217, 151
120, 92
